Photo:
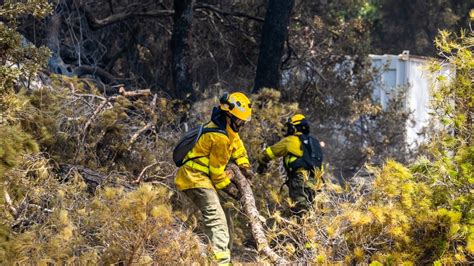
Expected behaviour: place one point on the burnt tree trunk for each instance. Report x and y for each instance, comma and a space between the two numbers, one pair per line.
181, 49
274, 32
55, 62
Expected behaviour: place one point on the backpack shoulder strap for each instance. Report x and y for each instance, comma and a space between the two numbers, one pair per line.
213, 129
305, 143
202, 130
303, 137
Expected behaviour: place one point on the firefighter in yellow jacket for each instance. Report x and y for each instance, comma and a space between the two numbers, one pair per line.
199, 178
302, 157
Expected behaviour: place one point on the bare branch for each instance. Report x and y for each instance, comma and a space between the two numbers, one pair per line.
137, 134
9, 202
139, 178
134, 93
253, 215
96, 23
87, 125
94, 70
200, 6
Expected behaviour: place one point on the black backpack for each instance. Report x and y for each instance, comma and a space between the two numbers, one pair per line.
187, 142
312, 154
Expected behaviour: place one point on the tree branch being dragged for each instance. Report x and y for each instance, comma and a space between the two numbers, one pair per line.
250, 209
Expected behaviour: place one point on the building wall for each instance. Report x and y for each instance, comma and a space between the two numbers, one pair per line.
397, 72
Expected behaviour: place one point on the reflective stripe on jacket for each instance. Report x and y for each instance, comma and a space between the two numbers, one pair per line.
289, 148
212, 151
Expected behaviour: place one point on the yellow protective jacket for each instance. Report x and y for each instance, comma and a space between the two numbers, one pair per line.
214, 151
289, 148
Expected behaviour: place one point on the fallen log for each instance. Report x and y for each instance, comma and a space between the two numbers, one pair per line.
92, 178
250, 209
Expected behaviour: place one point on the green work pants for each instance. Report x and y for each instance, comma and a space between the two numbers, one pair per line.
301, 192
216, 227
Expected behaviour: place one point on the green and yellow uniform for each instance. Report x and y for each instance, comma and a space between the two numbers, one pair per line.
302, 183
199, 178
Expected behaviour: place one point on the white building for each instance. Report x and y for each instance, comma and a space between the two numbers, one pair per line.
409, 72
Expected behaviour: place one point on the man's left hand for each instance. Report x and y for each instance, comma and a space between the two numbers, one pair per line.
229, 173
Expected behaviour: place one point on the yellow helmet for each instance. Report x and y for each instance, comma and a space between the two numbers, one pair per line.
297, 123
237, 104
297, 119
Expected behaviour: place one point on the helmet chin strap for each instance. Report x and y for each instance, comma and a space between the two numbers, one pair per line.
290, 129
233, 123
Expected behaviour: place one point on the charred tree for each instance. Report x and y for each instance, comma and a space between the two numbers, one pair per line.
181, 49
274, 33
56, 63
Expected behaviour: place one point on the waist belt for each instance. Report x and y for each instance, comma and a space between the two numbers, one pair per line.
197, 166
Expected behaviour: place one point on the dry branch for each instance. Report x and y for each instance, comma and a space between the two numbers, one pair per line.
134, 93
96, 24
96, 71
9, 203
91, 119
227, 13
139, 178
92, 178
253, 215
87, 125
137, 134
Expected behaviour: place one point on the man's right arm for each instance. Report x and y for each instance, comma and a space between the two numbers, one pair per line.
277, 150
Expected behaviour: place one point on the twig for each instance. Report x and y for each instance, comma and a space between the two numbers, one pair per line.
153, 102
89, 95
96, 112
96, 71
143, 172
88, 123
9, 202
137, 134
125, 93
162, 184
227, 13
96, 24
